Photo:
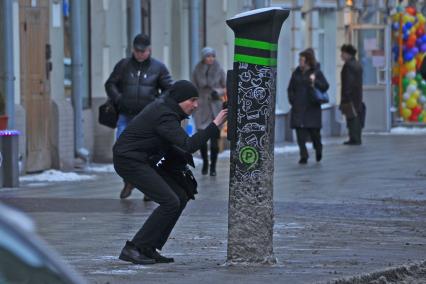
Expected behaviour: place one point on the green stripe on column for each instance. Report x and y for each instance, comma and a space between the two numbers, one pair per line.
255, 60
256, 44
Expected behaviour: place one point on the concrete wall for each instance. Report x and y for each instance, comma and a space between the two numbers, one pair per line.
62, 116
108, 46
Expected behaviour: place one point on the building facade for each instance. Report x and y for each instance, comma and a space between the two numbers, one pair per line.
44, 38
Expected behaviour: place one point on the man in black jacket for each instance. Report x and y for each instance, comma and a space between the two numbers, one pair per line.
423, 69
351, 103
133, 84
156, 135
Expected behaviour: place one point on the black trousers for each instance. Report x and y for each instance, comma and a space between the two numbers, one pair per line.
214, 151
354, 129
302, 137
162, 189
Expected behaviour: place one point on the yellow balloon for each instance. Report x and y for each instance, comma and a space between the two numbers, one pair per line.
413, 82
406, 113
395, 70
415, 94
395, 17
410, 65
411, 102
420, 18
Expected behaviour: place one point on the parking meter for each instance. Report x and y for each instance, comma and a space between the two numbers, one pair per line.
251, 120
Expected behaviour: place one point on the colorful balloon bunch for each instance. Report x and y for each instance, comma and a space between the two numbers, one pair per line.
408, 28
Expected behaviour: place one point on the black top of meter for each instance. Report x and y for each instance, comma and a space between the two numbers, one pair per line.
261, 24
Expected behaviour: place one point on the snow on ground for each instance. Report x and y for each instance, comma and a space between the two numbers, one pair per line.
100, 168
56, 176
408, 130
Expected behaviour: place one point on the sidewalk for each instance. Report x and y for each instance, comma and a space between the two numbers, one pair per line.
361, 210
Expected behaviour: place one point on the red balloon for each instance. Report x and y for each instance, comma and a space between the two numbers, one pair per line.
417, 110
420, 31
414, 117
395, 80
411, 41
411, 10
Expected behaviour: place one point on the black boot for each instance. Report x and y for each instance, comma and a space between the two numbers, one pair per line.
213, 159
126, 191
205, 157
132, 254
154, 254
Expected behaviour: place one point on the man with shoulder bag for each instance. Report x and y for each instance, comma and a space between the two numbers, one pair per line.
152, 154
133, 84
351, 104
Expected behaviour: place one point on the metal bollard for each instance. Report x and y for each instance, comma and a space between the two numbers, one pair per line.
251, 121
9, 170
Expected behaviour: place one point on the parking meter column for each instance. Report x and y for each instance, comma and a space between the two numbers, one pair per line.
250, 226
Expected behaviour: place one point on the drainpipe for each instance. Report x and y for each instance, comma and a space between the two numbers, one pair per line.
136, 20
77, 80
195, 32
8, 62
261, 4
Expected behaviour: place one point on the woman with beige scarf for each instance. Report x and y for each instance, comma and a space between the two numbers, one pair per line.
209, 78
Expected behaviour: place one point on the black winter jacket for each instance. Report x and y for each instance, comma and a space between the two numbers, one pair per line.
423, 69
351, 79
133, 85
304, 111
152, 133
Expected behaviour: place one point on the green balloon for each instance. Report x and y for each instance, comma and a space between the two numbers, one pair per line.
419, 78
396, 100
420, 118
405, 83
422, 83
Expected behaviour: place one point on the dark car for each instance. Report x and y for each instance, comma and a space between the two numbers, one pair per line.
25, 257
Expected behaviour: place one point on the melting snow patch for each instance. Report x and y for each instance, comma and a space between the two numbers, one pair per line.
403, 131
100, 168
54, 175
408, 130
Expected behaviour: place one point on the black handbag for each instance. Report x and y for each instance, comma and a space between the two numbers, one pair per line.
108, 114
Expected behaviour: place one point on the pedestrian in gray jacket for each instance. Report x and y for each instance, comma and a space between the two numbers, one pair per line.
209, 78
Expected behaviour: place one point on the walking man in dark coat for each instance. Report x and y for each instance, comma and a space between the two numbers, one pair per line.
351, 103
423, 68
133, 84
156, 135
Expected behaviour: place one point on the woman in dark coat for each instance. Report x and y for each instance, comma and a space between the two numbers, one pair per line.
305, 112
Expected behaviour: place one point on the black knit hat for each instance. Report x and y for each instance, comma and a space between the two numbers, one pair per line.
182, 90
349, 49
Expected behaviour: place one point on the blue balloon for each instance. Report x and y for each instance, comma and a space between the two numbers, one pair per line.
395, 49
404, 29
408, 56
423, 39
414, 51
405, 36
395, 26
419, 42
408, 25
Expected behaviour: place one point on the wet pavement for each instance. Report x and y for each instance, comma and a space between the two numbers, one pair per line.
361, 210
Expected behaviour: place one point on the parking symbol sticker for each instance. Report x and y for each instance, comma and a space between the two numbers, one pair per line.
249, 155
